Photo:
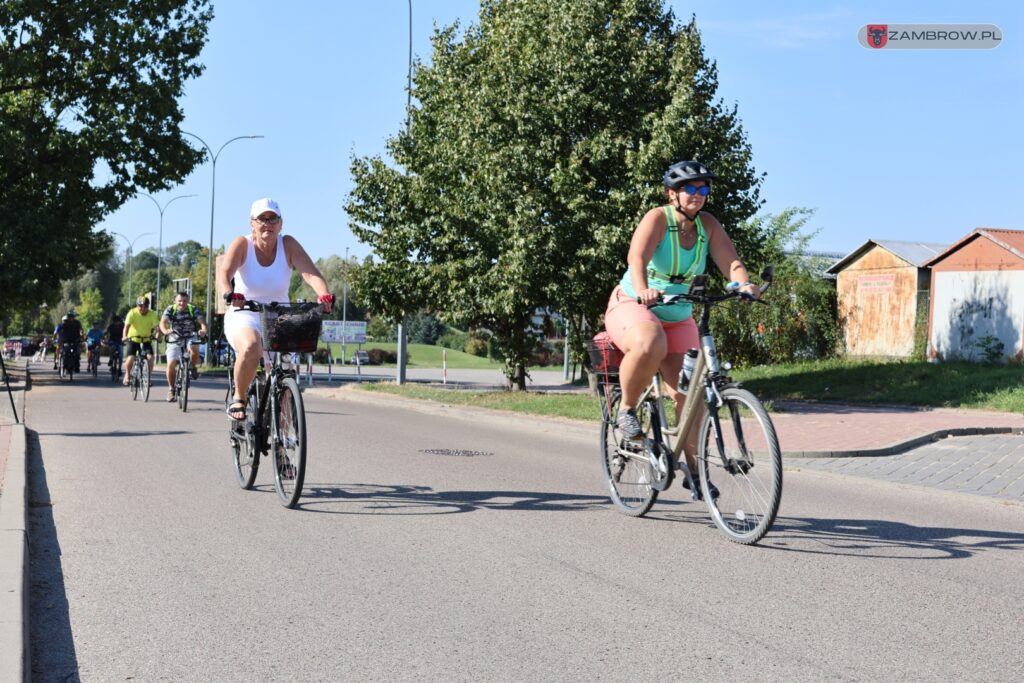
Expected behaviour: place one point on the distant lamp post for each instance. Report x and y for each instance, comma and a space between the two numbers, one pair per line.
128, 259
213, 198
160, 243
402, 352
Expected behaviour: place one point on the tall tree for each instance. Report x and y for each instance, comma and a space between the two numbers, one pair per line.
88, 116
538, 142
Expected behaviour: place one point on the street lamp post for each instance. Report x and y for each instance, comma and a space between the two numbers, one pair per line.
400, 374
128, 259
344, 310
160, 243
213, 198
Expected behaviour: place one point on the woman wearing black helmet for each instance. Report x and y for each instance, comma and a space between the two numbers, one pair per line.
669, 247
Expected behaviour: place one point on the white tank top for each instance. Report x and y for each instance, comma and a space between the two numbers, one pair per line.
264, 284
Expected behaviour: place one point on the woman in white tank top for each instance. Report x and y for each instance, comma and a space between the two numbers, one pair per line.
261, 266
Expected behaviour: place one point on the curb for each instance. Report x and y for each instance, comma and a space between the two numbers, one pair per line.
904, 446
589, 430
14, 608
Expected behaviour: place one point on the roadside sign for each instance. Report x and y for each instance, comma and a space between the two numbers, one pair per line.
344, 331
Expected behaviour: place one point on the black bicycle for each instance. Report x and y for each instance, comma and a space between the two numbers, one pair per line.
275, 420
183, 374
141, 374
230, 363
69, 360
94, 360
116, 361
739, 461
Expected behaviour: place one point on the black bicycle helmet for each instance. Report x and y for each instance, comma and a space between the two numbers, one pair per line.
682, 172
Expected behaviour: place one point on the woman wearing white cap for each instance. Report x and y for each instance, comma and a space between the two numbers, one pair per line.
260, 264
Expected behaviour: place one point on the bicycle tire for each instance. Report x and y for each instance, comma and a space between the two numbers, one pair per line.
133, 381
745, 464
289, 445
244, 437
626, 470
147, 379
183, 384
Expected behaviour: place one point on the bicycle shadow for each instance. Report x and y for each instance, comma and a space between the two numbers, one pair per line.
878, 538
376, 499
120, 432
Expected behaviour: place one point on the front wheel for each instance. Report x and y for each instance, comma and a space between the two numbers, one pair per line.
133, 381
183, 383
145, 374
625, 464
745, 462
289, 445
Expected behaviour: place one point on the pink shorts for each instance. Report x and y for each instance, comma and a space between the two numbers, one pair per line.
624, 312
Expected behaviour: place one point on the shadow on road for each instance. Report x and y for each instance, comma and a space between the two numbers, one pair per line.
121, 432
376, 499
875, 538
53, 647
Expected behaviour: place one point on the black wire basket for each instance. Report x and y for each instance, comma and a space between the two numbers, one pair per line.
291, 328
605, 358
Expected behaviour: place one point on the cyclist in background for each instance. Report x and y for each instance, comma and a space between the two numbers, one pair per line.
185, 320
141, 323
92, 342
71, 334
56, 340
115, 330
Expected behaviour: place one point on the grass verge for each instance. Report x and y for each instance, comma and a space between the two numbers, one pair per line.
945, 385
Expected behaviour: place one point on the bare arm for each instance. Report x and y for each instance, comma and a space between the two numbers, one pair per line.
724, 254
232, 261
645, 241
300, 261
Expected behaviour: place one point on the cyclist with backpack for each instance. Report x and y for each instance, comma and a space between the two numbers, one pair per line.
184, 320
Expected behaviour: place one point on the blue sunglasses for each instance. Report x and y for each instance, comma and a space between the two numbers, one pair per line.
702, 190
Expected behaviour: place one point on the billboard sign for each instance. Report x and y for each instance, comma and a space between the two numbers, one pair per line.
342, 331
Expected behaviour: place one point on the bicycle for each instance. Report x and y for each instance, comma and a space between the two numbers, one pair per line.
737, 446
93, 365
139, 381
115, 361
274, 414
183, 374
69, 361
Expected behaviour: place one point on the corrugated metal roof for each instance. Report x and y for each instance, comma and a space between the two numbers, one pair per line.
1011, 240
914, 253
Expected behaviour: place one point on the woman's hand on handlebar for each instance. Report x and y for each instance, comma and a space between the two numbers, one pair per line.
648, 296
750, 292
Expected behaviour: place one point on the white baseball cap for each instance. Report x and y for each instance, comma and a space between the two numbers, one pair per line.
262, 205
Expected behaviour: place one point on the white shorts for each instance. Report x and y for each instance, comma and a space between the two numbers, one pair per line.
173, 352
236, 321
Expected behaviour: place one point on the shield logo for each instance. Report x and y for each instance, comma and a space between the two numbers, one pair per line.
878, 35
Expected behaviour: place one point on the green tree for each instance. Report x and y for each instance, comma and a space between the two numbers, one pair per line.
539, 141
88, 117
90, 307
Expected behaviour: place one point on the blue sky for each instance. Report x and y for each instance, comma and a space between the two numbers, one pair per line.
899, 145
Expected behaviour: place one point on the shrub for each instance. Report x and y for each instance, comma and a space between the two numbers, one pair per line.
379, 356
453, 339
321, 355
476, 347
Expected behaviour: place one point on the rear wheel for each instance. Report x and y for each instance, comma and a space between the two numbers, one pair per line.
625, 464
744, 462
289, 446
245, 442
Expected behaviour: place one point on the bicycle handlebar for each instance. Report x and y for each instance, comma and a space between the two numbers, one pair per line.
697, 295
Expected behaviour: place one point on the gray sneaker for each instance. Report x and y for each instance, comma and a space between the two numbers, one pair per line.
629, 425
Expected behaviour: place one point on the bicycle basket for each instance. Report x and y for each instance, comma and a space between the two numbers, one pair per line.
291, 328
605, 357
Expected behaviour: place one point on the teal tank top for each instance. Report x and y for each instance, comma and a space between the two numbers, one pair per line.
671, 260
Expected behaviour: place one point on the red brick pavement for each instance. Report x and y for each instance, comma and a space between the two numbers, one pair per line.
821, 429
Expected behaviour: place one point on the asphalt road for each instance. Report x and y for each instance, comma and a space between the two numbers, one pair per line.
436, 548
